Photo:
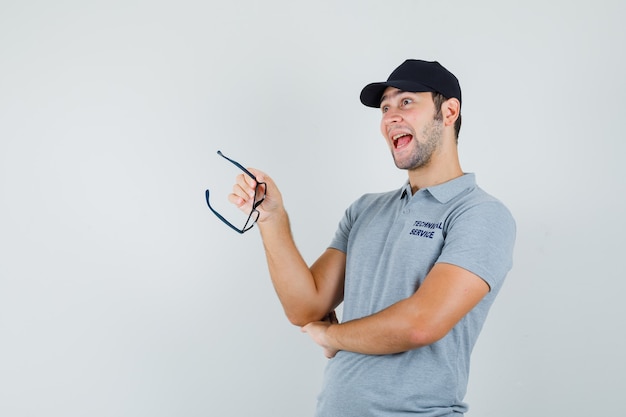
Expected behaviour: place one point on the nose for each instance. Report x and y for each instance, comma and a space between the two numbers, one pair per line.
392, 115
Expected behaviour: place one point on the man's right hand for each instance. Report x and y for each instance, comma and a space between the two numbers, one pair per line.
243, 195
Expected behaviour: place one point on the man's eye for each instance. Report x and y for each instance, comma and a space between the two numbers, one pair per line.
384, 109
406, 101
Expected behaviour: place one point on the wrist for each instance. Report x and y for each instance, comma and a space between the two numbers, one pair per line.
331, 336
277, 218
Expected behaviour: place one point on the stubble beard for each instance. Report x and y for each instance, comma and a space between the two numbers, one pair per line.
431, 136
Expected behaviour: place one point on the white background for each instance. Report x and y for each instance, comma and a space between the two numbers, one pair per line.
122, 295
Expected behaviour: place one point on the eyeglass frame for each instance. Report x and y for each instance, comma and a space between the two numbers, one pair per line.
255, 203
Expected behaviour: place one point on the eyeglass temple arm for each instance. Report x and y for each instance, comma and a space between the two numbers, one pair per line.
237, 164
226, 222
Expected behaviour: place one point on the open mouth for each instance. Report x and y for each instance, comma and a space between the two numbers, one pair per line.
401, 140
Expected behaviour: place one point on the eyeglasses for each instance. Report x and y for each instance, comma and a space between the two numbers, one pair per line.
259, 197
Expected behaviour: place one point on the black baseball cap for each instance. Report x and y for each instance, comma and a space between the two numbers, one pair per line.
415, 76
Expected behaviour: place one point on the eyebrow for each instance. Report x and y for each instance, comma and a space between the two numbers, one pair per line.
395, 93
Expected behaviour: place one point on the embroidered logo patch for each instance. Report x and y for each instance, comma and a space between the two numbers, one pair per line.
425, 229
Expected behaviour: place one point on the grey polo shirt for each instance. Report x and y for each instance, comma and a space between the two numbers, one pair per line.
392, 240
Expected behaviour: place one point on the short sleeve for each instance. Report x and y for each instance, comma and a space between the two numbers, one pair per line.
340, 240
481, 239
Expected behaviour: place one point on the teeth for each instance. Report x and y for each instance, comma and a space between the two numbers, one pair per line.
399, 135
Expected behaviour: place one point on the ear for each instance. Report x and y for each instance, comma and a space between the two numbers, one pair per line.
451, 110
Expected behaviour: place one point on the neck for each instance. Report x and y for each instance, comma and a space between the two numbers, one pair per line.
443, 167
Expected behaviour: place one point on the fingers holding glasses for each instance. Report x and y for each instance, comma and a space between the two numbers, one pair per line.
249, 193
261, 194
243, 192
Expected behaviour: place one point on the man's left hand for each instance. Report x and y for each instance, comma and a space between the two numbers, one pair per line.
317, 331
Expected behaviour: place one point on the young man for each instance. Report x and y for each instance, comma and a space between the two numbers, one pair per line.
416, 268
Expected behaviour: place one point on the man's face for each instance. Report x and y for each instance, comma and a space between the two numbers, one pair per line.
410, 128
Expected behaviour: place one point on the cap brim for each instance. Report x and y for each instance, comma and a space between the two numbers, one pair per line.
372, 93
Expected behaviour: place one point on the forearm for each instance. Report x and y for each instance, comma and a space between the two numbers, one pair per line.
389, 331
292, 278
447, 295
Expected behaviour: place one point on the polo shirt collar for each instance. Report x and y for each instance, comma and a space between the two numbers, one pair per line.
446, 191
